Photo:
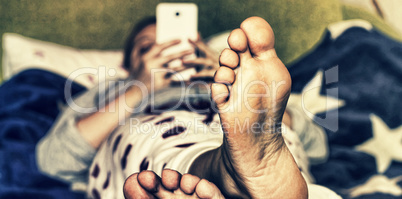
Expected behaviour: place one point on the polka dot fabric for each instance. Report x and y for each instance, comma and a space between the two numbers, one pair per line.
169, 140
154, 142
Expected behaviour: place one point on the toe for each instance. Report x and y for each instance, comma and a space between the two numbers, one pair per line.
171, 179
188, 183
149, 181
152, 184
260, 36
206, 189
132, 189
219, 93
224, 75
229, 58
237, 41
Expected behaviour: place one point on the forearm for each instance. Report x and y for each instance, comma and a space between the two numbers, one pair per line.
97, 126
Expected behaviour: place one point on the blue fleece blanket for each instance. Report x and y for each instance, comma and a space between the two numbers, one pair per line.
359, 76
361, 70
28, 108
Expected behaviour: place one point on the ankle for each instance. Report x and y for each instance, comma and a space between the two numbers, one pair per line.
226, 177
213, 167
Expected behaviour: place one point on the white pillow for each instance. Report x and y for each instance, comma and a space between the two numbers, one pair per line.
87, 67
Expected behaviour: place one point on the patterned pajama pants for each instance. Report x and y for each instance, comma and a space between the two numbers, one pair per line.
170, 140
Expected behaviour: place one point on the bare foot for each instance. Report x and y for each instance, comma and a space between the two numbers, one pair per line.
172, 185
251, 90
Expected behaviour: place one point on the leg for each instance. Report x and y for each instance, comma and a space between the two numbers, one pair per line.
172, 185
253, 162
251, 90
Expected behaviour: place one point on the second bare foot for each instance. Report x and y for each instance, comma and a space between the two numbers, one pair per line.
172, 184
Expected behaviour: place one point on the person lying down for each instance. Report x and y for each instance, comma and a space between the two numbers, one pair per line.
147, 137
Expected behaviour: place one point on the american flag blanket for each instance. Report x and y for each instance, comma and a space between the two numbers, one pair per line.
350, 84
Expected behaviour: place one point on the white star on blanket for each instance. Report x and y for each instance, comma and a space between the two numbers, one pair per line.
377, 183
385, 145
311, 101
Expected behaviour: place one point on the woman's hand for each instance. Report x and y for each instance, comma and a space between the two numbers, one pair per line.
206, 63
152, 70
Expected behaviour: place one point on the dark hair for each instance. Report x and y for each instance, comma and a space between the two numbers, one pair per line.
128, 48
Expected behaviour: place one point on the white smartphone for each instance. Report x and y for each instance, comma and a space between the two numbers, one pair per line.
177, 21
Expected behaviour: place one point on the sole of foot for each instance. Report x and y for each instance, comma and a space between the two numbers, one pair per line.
251, 90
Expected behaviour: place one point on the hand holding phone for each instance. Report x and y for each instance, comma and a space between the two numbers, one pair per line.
177, 21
